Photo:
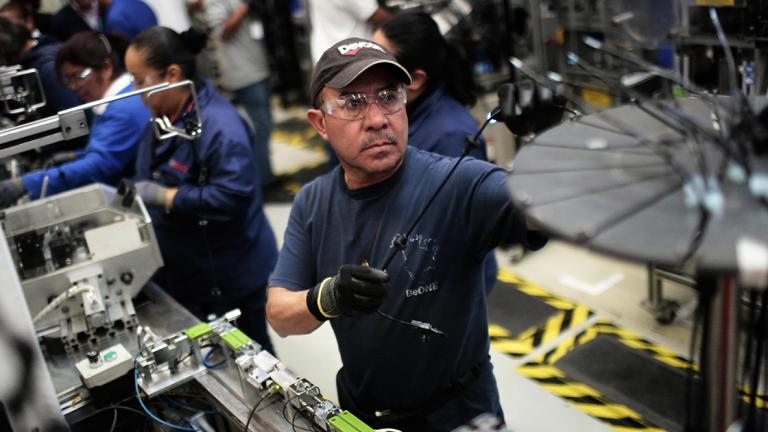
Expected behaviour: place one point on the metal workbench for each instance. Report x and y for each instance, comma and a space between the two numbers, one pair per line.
221, 386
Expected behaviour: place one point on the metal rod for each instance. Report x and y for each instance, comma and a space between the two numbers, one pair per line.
90, 105
720, 351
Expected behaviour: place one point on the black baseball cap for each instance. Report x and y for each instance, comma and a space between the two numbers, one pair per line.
346, 60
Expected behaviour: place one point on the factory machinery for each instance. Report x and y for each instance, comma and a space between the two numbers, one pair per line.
84, 330
164, 363
82, 256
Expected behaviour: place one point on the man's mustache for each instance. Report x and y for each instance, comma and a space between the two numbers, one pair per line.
378, 137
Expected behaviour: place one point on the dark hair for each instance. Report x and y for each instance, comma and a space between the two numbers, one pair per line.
92, 49
164, 47
31, 5
17, 8
13, 39
418, 44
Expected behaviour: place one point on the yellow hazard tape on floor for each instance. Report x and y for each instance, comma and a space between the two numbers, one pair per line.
634, 341
570, 314
581, 396
585, 398
306, 139
542, 370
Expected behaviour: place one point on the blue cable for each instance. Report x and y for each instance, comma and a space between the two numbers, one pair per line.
208, 356
189, 407
146, 410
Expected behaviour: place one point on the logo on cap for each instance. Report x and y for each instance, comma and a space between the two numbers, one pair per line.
354, 47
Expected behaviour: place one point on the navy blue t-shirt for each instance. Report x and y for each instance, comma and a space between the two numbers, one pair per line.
440, 124
438, 278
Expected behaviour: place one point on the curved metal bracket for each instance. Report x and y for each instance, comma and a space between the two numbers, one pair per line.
193, 122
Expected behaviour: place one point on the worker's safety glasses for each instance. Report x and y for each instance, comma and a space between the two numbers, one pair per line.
354, 106
77, 78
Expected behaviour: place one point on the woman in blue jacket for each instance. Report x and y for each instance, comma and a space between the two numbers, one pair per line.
441, 89
91, 64
203, 194
442, 86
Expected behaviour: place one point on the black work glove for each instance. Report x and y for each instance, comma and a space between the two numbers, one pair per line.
10, 192
355, 290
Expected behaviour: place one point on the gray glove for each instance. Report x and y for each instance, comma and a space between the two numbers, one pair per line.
153, 194
10, 192
355, 290
61, 157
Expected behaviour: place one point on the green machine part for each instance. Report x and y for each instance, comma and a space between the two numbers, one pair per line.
235, 339
345, 421
198, 331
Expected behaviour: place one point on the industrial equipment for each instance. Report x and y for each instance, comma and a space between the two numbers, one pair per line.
82, 256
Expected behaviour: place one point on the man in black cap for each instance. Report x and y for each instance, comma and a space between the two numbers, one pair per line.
414, 338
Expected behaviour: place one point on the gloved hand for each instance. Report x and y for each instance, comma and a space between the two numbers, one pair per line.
355, 290
10, 192
60, 158
153, 194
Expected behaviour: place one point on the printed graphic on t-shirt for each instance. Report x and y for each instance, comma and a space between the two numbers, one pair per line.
419, 260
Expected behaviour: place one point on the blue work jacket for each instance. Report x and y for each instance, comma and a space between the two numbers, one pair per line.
440, 124
215, 239
128, 18
109, 155
43, 58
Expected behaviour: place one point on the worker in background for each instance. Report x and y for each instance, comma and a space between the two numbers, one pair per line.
345, 224
333, 20
127, 17
243, 69
204, 194
91, 64
23, 44
442, 88
42, 21
77, 16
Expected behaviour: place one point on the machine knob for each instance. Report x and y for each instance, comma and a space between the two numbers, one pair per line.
93, 358
127, 277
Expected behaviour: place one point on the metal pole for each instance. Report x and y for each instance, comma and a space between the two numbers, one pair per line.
720, 351
539, 50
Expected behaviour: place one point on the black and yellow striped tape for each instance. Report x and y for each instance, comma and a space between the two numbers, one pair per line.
305, 139
586, 399
570, 314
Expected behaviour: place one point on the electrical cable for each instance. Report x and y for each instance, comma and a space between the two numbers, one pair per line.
115, 408
293, 420
640, 99
146, 409
761, 334
114, 421
751, 332
727, 50
401, 240
208, 356
61, 298
269, 393
118, 407
285, 412
189, 407
471, 143
530, 73
296, 413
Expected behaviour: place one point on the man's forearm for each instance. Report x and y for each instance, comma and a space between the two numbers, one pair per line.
233, 22
287, 312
